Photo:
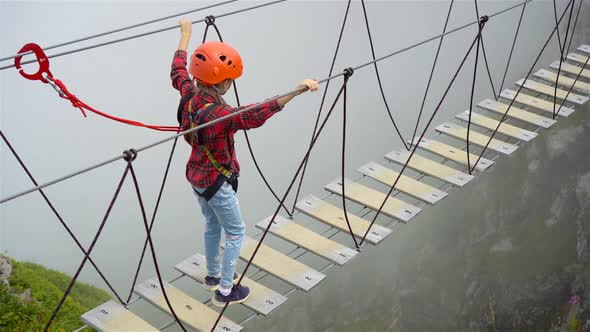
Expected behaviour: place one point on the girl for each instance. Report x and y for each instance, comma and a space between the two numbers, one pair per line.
212, 168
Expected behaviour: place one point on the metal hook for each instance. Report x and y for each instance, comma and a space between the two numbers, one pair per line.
42, 60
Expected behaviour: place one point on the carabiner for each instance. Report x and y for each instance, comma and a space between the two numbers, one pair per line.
41, 60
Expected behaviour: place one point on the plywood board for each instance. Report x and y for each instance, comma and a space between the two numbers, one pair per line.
505, 128
113, 317
281, 265
550, 91
334, 216
190, 311
371, 198
261, 299
537, 103
517, 113
571, 69
308, 240
563, 81
452, 153
405, 184
579, 58
476, 138
584, 48
432, 168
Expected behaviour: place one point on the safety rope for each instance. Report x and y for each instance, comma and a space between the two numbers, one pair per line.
485, 57
476, 62
511, 50
521, 86
562, 56
210, 123
482, 20
575, 24
379, 77
557, 24
317, 120
137, 25
431, 74
347, 76
144, 34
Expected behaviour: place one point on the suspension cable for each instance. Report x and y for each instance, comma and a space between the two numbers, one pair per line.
137, 25
575, 24
58, 215
379, 77
143, 34
512, 50
90, 248
431, 74
164, 140
421, 137
485, 56
520, 87
317, 120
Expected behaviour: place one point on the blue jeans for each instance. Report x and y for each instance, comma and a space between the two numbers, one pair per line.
222, 211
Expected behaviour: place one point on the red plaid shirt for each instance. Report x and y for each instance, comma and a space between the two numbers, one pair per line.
218, 138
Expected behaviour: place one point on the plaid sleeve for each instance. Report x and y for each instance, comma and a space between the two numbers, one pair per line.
255, 117
181, 81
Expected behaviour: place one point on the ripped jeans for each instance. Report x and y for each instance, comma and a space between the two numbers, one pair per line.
222, 210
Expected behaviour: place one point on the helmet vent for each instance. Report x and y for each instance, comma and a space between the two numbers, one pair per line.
200, 57
222, 58
229, 63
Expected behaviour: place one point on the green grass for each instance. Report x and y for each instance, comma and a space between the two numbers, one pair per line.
47, 287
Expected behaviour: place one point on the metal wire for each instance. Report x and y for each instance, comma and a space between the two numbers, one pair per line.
210, 123
120, 29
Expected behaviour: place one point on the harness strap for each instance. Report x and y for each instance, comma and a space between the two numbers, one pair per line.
198, 118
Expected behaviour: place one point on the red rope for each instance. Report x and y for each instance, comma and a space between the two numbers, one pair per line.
44, 75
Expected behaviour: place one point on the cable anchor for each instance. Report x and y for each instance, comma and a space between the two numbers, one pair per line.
129, 155
348, 72
210, 20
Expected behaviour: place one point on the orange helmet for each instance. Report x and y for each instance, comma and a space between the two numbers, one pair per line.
214, 62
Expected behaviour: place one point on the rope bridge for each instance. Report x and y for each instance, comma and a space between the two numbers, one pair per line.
537, 102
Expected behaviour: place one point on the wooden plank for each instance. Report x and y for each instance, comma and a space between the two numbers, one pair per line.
563, 80
432, 168
334, 216
308, 240
584, 48
517, 113
371, 198
537, 103
571, 69
190, 311
452, 153
405, 184
550, 91
579, 58
261, 299
281, 265
505, 128
111, 316
476, 138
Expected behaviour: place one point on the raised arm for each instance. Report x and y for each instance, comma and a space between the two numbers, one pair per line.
181, 80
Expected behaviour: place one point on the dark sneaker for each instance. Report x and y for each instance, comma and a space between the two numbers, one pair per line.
238, 294
212, 283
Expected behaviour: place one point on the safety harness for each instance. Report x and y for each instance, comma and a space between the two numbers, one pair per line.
197, 118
